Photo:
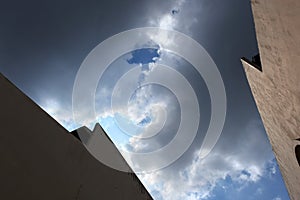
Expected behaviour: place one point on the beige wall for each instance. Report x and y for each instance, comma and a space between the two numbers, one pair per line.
39, 159
277, 89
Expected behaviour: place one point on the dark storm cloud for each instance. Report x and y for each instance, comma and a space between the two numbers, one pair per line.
42, 44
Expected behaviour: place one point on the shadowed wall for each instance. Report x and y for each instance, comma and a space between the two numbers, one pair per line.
276, 89
41, 160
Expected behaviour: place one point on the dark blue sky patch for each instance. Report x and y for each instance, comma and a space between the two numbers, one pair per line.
143, 56
246, 173
145, 121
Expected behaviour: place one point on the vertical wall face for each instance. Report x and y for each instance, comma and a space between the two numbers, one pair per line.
277, 89
39, 159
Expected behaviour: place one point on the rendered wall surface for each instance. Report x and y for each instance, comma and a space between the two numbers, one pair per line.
39, 159
276, 89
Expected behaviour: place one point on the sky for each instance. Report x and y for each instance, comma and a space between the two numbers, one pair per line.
43, 44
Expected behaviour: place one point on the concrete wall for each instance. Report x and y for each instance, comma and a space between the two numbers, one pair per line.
277, 88
39, 159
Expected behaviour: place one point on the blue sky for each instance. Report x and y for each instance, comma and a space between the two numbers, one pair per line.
43, 45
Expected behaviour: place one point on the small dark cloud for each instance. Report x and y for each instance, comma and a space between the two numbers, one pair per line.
175, 11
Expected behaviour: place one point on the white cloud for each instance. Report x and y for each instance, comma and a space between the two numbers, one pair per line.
183, 19
137, 145
62, 114
198, 179
273, 170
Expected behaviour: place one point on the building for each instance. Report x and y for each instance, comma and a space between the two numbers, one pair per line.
42, 160
275, 83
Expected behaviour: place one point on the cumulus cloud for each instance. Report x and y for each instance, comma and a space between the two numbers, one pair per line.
177, 17
198, 178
